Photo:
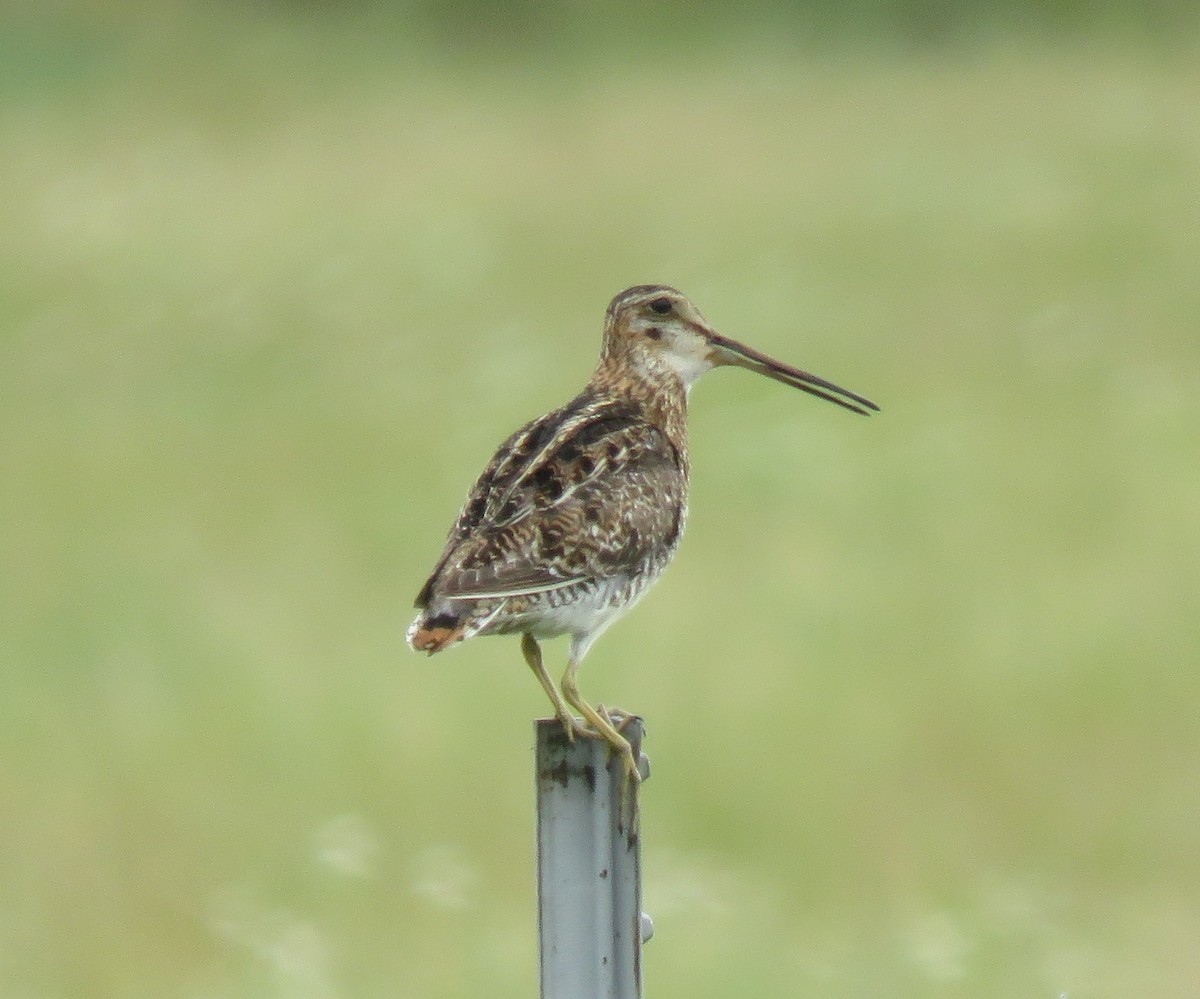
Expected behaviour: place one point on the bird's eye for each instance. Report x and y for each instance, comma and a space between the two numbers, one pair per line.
661, 305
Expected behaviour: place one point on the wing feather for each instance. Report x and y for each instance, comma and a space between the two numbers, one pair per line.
584, 493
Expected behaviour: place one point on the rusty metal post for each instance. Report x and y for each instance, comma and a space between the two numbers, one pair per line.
590, 921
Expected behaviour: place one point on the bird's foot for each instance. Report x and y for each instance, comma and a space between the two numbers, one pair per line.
629, 765
631, 781
618, 718
573, 727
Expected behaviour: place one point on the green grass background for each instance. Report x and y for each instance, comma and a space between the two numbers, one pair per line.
921, 690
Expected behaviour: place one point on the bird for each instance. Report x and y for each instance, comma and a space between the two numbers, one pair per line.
579, 511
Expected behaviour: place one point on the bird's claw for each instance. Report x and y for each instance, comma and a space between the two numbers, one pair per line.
573, 727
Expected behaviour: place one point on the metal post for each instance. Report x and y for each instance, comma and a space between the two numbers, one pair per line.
590, 921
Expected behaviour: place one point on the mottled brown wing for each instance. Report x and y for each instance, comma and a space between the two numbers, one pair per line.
586, 492
471, 515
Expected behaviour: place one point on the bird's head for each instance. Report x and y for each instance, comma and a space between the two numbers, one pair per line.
655, 330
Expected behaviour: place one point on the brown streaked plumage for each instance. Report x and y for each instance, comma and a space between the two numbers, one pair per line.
580, 511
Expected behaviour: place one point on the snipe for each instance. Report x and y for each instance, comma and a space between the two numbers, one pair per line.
580, 511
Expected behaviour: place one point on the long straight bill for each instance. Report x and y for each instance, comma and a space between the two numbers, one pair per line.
726, 351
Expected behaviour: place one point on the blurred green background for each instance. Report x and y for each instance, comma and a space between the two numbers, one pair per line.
921, 690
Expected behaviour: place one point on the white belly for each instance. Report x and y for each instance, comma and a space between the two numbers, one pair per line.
584, 614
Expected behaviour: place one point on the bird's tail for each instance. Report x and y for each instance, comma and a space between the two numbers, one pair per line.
432, 633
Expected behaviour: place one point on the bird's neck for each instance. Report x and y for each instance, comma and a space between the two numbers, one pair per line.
660, 395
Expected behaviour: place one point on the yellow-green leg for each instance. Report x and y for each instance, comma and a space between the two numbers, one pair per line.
533, 656
601, 727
